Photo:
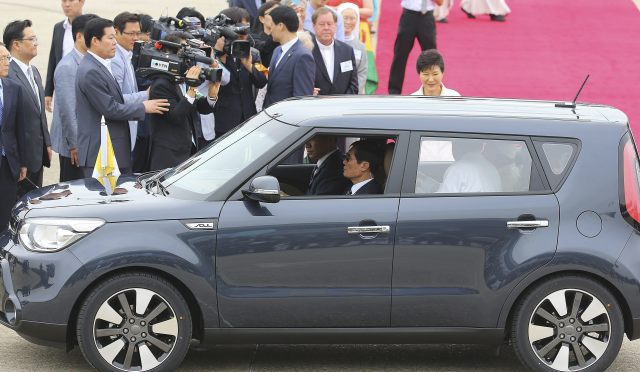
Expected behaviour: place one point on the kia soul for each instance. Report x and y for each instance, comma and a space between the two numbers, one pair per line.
504, 222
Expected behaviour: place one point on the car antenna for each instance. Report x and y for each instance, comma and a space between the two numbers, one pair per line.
573, 104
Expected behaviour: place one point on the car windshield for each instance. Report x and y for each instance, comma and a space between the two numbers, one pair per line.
207, 171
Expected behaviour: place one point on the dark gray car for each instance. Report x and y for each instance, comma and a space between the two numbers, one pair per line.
500, 221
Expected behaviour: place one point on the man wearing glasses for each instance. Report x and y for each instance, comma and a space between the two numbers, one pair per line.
127, 27
22, 43
11, 170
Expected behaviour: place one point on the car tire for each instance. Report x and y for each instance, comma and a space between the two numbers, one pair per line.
153, 334
568, 323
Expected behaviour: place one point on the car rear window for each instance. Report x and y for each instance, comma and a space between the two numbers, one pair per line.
557, 157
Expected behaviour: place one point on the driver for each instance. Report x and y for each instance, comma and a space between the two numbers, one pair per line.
326, 178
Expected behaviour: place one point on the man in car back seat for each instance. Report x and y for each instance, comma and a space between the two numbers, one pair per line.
326, 178
471, 172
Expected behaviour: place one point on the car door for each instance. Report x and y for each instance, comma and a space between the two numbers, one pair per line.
470, 226
306, 261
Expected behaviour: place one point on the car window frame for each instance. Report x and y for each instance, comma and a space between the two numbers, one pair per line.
552, 178
397, 164
413, 158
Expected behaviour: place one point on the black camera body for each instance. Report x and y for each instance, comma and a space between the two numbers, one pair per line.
151, 59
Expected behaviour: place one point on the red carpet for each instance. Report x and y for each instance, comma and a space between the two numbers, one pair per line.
543, 51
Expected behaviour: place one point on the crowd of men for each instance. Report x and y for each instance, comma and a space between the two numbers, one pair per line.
297, 50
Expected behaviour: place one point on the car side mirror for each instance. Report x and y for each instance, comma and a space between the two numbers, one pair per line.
263, 189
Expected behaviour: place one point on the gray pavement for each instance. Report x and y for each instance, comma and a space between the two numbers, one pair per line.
19, 355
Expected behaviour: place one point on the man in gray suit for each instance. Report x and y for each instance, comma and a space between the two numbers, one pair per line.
64, 126
99, 95
292, 69
35, 144
127, 27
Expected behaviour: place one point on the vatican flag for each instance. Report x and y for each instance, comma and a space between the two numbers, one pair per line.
106, 170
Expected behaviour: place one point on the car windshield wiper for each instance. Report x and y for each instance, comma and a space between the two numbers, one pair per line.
159, 187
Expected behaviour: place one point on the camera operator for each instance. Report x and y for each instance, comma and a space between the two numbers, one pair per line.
173, 135
236, 101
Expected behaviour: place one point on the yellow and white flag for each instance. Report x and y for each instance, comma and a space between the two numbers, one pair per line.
106, 170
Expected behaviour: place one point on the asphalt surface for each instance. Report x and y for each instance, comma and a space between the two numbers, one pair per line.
17, 354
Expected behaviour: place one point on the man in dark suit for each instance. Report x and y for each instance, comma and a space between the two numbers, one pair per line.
22, 42
237, 100
99, 96
250, 5
336, 71
292, 69
174, 134
11, 170
61, 44
326, 177
360, 163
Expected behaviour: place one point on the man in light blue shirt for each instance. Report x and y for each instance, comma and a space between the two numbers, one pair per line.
312, 5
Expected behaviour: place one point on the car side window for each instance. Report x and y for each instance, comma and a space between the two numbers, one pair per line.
557, 156
472, 165
329, 164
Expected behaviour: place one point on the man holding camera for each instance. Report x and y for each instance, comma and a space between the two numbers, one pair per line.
174, 135
236, 101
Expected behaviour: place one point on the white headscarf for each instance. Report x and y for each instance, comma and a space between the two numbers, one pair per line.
355, 34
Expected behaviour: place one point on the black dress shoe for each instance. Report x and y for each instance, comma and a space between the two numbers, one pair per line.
469, 15
497, 18
443, 20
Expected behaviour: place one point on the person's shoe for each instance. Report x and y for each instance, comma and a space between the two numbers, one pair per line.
469, 15
443, 20
497, 18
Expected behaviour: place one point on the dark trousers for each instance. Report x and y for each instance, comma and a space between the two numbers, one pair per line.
68, 171
32, 182
412, 25
8, 193
140, 154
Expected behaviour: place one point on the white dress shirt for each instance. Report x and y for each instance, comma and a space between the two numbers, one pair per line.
359, 185
105, 62
328, 56
67, 41
285, 48
445, 92
422, 6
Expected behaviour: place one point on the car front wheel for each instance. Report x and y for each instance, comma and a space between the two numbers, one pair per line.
569, 323
134, 322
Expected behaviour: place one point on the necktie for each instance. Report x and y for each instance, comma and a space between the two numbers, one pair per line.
32, 81
276, 57
1, 115
423, 6
313, 175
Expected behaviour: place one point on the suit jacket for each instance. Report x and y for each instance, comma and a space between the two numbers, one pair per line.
64, 125
34, 136
98, 95
370, 188
294, 75
11, 124
329, 179
345, 73
55, 55
236, 100
174, 133
128, 84
249, 5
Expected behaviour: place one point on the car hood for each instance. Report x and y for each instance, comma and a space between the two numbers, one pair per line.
88, 198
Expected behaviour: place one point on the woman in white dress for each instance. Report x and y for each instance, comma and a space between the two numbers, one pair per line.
496, 9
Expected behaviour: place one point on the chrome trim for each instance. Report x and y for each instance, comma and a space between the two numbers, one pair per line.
266, 192
202, 225
527, 224
368, 230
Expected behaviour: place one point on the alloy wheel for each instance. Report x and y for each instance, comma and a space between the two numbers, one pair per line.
569, 330
135, 330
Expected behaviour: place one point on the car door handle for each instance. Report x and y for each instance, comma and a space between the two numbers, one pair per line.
527, 224
368, 229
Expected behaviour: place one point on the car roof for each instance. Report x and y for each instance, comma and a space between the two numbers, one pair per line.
300, 110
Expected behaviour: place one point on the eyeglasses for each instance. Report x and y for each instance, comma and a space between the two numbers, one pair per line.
33, 39
132, 34
6, 59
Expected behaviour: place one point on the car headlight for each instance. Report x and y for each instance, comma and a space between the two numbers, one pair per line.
54, 234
